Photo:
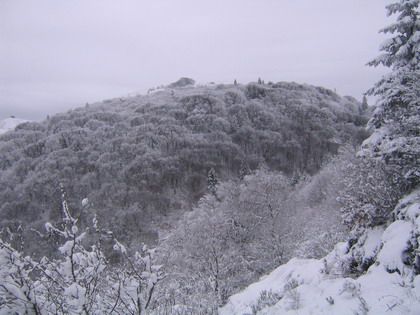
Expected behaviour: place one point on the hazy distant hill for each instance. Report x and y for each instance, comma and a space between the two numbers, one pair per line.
143, 160
10, 124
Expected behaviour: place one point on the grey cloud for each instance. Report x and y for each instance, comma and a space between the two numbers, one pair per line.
55, 55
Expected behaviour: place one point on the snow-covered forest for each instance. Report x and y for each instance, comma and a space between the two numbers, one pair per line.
258, 198
143, 161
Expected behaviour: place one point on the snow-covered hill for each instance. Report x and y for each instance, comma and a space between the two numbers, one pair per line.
160, 147
391, 285
10, 124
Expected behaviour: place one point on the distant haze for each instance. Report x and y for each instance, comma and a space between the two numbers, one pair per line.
55, 55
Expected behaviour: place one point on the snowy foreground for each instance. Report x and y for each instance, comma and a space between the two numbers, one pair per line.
10, 124
309, 286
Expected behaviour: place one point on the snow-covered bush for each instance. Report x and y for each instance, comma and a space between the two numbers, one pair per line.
18, 289
371, 191
80, 280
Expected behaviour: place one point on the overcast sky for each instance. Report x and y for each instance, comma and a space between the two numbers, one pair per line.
56, 55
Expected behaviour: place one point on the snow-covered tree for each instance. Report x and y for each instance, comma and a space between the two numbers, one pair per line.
396, 120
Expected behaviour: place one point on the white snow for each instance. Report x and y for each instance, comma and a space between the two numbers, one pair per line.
375, 139
387, 287
10, 124
119, 247
85, 202
66, 249
394, 241
372, 242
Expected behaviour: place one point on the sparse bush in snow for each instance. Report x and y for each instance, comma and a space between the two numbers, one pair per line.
266, 299
350, 289
291, 294
330, 300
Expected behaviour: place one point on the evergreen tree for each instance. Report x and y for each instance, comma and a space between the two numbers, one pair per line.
364, 104
212, 181
396, 121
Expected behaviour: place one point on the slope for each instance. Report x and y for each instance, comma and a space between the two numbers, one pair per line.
391, 285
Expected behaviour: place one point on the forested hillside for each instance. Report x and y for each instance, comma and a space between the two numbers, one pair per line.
143, 161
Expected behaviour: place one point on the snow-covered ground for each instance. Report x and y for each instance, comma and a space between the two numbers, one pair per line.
309, 286
10, 124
